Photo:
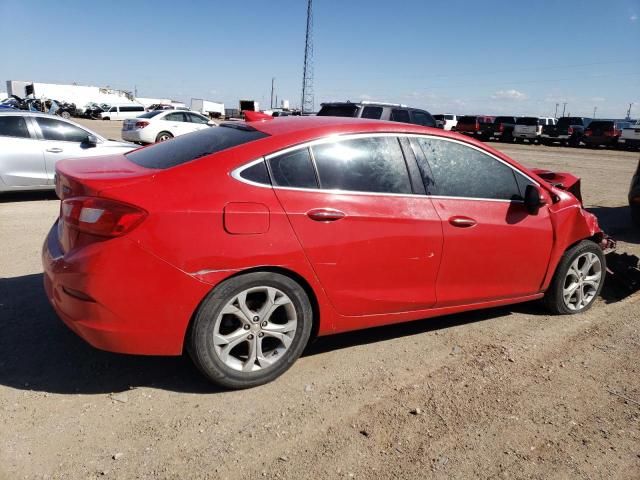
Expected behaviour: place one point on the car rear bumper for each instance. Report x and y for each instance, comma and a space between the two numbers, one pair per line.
133, 135
120, 298
630, 142
599, 140
557, 138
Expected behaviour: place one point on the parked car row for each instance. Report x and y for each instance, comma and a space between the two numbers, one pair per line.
567, 131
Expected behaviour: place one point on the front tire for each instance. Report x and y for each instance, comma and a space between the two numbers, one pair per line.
578, 279
250, 329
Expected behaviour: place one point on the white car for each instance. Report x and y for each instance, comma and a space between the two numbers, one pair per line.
161, 125
446, 121
31, 143
122, 112
630, 136
530, 128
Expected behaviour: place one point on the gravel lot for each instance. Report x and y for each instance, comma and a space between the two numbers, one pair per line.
500, 393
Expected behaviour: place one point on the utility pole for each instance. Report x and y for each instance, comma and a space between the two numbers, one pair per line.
594, 111
564, 106
555, 115
306, 104
629, 111
273, 79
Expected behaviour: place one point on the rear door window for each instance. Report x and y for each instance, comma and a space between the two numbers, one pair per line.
373, 113
293, 169
399, 115
53, 129
175, 117
192, 146
13, 127
461, 171
421, 118
373, 164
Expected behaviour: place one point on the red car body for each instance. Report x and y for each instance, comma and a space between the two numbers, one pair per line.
387, 259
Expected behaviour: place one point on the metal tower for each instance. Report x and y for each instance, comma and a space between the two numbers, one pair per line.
306, 105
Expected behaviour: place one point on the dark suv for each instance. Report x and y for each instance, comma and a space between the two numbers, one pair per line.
604, 132
568, 131
378, 111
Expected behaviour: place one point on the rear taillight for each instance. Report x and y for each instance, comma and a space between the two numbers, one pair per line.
587, 132
477, 125
501, 128
141, 124
98, 216
612, 133
570, 130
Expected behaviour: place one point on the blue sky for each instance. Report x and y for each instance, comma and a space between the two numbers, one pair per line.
493, 57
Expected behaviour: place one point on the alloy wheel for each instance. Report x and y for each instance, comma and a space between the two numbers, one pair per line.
582, 281
254, 329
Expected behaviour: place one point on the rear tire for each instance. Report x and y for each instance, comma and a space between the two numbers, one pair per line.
250, 329
163, 137
578, 279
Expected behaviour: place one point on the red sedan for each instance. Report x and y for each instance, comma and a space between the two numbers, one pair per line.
239, 243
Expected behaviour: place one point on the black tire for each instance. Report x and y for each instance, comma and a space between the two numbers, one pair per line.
553, 298
200, 343
519, 140
163, 137
574, 142
105, 118
66, 115
635, 214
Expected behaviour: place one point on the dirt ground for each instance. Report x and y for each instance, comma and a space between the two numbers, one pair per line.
502, 393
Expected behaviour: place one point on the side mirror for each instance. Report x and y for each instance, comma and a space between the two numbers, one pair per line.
90, 141
532, 199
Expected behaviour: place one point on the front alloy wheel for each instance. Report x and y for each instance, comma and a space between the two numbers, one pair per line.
582, 281
250, 329
578, 279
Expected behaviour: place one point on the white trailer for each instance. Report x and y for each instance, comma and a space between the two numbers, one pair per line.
205, 107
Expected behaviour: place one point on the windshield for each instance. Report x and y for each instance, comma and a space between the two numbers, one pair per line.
194, 145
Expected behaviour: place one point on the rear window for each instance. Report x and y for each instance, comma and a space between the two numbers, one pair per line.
439, 117
568, 121
467, 120
194, 145
529, 121
601, 124
347, 110
150, 114
505, 120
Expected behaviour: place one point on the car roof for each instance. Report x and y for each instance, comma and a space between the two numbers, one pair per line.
298, 129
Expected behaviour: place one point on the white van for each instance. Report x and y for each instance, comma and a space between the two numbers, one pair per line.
122, 112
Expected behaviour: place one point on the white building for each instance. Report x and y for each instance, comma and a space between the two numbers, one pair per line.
79, 94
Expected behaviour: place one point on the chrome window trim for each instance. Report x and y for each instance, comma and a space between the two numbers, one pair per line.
236, 173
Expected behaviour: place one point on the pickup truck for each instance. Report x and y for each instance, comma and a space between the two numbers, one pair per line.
474, 125
630, 138
501, 129
568, 131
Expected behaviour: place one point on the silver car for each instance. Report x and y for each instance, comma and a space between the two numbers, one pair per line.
32, 143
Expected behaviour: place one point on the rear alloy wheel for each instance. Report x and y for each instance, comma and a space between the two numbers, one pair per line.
163, 137
250, 329
578, 279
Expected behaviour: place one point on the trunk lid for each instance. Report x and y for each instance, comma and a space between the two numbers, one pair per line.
90, 176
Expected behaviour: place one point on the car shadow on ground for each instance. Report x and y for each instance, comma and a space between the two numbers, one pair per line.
12, 197
616, 222
40, 353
